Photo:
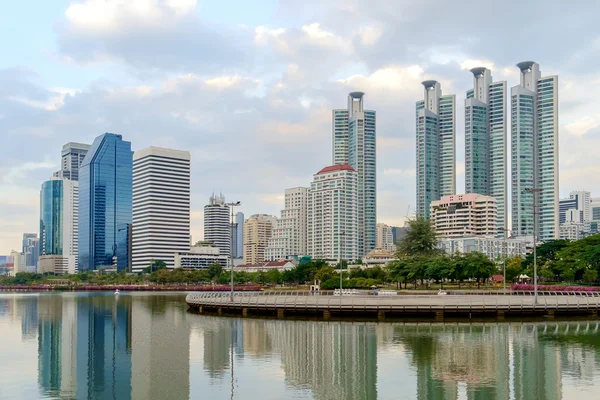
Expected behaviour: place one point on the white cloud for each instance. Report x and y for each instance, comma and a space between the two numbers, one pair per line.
390, 78
16, 173
473, 63
369, 35
582, 126
314, 31
105, 16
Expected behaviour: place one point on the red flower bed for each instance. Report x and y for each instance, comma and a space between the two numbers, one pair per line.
555, 288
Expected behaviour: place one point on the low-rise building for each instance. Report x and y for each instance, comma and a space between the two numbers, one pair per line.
265, 267
462, 215
385, 237
200, 257
493, 247
57, 264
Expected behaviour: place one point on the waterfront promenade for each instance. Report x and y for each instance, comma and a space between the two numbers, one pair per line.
363, 304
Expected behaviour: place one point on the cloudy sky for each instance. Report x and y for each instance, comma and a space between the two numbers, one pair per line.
248, 87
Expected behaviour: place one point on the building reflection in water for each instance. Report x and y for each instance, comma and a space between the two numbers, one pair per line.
104, 347
138, 346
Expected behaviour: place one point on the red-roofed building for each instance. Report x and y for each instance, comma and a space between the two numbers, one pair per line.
332, 223
338, 167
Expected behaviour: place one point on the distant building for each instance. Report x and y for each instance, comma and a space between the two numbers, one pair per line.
238, 235
464, 215
200, 258
161, 206
436, 146
72, 156
493, 247
19, 262
398, 233
257, 232
284, 265
354, 143
59, 220
378, 256
217, 224
385, 237
289, 234
31, 249
332, 226
485, 140
534, 144
105, 204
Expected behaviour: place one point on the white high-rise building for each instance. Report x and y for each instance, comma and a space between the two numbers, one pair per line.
354, 143
289, 235
385, 237
485, 141
217, 224
462, 215
161, 206
534, 146
332, 223
436, 146
72, 156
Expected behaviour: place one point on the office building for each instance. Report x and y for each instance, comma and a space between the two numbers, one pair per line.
71, 158
436, 146
534, 147
485, 141
19, 261
385, 237
398, 233
257, 232
161, 206
493, 247
332, 222
576, 208
238, 235
105, 204
31, 249
59, 210
354, 143
289, 234
217, 224
464, 215
200, 257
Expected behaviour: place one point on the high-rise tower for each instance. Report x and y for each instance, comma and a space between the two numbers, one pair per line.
161, 206
72, 156
354, 143
105, 204
485, 140
217, 224
436, 143
534, 145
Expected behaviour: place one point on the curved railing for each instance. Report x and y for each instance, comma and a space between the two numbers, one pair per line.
299, 300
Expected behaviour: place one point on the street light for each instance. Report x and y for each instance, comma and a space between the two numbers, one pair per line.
534, 192
342, 234
231, 205
505, 231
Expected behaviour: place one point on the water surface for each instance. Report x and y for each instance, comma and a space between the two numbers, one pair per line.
147, 346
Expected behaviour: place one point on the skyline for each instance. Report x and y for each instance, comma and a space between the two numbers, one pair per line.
70, 83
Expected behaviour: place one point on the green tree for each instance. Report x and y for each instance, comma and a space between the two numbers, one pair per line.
547, 251
215, 270
514, 268
479, 266
273, 276
326, 272
155, 265
590, 276
419, 239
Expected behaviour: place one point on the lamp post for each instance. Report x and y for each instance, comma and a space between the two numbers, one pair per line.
534, 192
341, 234
505, 237
231, 205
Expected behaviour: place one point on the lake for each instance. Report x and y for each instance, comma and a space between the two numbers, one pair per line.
147, 346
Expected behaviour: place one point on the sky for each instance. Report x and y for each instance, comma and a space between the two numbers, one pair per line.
248, 87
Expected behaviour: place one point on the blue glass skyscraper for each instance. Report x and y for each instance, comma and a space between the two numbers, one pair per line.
105, 204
